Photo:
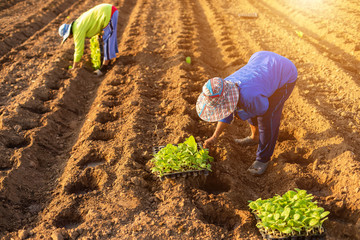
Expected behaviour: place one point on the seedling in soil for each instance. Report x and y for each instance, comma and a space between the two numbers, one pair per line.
188, 60
95, 52
299, 33
70, 67
289, 216
181, 158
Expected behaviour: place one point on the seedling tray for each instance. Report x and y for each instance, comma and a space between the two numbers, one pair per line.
309, 237
296, 237
174, 175
299, 237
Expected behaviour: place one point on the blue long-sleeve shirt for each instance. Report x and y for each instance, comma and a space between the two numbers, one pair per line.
258, 80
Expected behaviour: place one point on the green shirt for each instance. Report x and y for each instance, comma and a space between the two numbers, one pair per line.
88, 25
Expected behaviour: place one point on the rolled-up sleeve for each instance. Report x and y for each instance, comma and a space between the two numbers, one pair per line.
227, 119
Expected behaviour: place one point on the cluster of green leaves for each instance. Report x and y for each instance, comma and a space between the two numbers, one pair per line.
95, 52
181, 158
291, 214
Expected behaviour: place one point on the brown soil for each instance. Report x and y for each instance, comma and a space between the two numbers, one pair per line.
76, 148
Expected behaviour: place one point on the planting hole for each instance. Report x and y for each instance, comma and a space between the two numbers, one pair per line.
88, 182
68, 219
112, 93
104, 117
127, 60
17, 142
92, 159
84, 185
111, 103
28, 124
213, 185
39, 109
53, 84
285, 136
101, 135
6, 164
220, 216
294, 158
306, 183
5, 169
43, 93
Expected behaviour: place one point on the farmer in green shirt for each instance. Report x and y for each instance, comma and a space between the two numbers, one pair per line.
102, 18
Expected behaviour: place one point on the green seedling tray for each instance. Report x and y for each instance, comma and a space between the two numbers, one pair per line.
299, 237
173, 175
296, 237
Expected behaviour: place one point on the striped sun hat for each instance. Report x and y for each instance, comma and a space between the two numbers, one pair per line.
218, 100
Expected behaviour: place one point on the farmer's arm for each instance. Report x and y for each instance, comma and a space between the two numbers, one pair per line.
213, 139
79, 50
221, 125
79, 34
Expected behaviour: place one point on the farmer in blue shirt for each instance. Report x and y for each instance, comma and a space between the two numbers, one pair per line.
256, 93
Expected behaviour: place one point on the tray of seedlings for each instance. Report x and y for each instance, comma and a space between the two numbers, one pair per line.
181, 160
292, 216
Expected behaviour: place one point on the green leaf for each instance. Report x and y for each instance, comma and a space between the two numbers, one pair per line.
254, 205
286, 212
324, 214
191, 143
287, 230
290, 194
95, 52
314, 222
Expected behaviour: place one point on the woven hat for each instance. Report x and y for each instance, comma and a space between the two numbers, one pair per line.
218, 100
64, 31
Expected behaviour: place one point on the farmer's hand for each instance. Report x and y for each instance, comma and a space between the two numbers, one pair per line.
209, 142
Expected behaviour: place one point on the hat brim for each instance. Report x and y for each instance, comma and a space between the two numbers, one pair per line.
67, 34
221, 111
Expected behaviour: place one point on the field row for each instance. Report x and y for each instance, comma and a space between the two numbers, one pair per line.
88, 140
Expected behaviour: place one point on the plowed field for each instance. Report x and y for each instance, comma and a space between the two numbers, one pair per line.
75, 148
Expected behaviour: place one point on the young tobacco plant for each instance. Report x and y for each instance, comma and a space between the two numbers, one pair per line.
289, 215
181, 158
95, 52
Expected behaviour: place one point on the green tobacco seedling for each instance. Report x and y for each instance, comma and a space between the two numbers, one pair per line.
181, 158
95, 52
289, 215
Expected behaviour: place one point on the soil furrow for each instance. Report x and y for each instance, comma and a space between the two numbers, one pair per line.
76, 148
32, 62
338, 81
48, 141
8, 4
17, 33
